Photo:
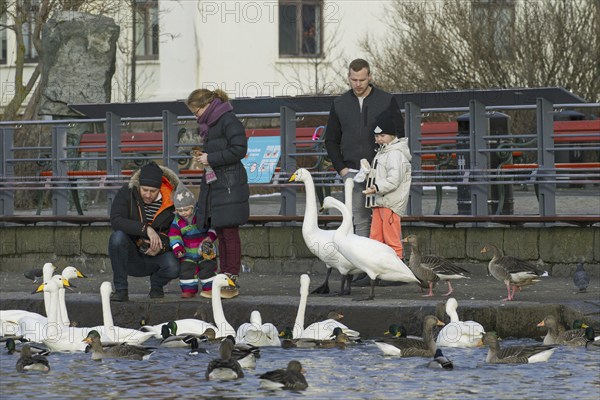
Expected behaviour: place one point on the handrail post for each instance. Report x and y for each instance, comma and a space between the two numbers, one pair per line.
60, 197
413, 133
170, 139
288, 163
545, 133
478, 129
113, 152
7, 170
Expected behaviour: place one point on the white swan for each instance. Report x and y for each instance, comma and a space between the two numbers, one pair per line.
319, 241
256, 333
69, 273
55, 335
377, 259
322, 330
459, 333
193, 326
111, 333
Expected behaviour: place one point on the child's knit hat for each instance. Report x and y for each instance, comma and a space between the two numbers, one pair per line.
182, 197
384, 123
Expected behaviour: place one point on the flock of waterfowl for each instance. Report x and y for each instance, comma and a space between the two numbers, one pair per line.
240, 348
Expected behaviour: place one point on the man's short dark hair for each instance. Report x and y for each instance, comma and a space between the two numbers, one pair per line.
358, 64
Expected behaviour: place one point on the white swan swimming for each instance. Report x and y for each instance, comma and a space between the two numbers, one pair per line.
319, 241
193, 326
256, 333
55, 335
459, 333
377, 259
111, 333
322, 330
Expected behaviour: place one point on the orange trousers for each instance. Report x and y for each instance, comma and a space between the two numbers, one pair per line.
385, 228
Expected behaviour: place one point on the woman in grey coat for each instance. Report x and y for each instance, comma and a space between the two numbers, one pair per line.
223, 201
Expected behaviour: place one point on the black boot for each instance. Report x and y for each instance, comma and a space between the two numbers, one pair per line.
120, 295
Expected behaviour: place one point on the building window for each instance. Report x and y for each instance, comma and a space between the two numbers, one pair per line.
300, 28
31, 55
3, 18
495, 22
146, 29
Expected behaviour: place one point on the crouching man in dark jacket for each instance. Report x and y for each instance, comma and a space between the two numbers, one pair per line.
140, 217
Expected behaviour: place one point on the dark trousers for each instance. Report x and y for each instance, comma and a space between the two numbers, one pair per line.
230, 250
126, 260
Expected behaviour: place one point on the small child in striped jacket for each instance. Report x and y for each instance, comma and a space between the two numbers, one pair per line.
193, 246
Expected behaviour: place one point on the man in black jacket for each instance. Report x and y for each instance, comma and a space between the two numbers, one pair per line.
349, 134
140, 217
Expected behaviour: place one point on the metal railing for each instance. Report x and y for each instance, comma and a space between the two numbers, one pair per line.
475, 173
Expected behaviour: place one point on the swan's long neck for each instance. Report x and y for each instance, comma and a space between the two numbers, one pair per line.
106, 310
346, 226
63, 315
53, 311
218, 314
451, 311
47, 271
310, 213
299, 323
348, 188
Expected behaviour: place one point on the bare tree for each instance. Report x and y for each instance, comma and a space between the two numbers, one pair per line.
456, 44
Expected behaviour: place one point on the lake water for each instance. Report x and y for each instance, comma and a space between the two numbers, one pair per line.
358, 372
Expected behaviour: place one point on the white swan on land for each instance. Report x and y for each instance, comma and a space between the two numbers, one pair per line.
376, 259
256, 333
459, 333
319, 241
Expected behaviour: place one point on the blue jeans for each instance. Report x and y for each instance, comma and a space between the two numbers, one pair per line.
126, 260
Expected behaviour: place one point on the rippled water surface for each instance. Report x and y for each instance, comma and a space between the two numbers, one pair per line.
357, 372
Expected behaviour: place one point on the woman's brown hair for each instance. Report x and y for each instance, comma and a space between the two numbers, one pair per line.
202, 97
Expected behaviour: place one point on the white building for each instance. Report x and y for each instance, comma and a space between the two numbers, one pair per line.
247, 48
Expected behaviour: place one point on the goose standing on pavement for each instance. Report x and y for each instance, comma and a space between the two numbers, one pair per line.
431, 268
319, 241
459, 333
376, 259
515, 354
513, 271
410, 347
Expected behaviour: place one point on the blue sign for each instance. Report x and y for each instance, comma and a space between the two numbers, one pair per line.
262, 158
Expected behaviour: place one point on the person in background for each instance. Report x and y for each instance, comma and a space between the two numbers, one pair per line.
349, 137
140, 216
224, 193
193, 246
388, 183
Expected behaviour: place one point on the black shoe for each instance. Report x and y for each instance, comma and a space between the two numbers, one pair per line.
362, 282
156, 293
120, 295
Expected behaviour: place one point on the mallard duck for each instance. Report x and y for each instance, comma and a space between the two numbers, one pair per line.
31, 362
514, 354
590, 333
291, 378
410, 347
319, 241
581, 280
376, 259
440, 361
246, 354
514, 272
459, 333
121, 350
573, 337
430, 268
11, 346
256, 333
225, 367
172, 340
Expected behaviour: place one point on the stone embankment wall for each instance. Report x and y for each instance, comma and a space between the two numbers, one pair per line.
282, 249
